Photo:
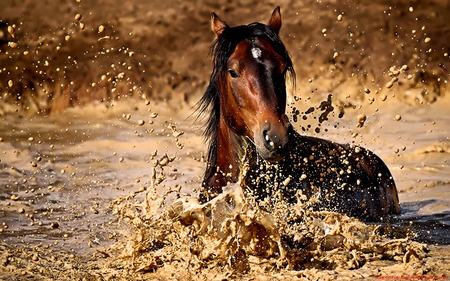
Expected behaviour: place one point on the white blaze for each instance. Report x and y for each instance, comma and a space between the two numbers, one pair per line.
256, 53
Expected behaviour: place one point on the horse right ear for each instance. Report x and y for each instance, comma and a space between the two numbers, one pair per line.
217, 25
275, 20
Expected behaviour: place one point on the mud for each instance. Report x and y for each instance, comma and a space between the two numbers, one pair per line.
101, 158
116, 199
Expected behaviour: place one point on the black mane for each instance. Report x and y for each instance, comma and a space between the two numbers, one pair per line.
221, 50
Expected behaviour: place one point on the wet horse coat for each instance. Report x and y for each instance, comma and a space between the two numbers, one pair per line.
248, 126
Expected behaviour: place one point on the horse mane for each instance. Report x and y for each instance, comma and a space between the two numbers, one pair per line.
221, 50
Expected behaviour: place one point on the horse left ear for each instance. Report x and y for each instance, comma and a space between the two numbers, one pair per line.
275, 20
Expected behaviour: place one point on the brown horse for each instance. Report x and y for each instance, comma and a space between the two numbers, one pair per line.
248, 125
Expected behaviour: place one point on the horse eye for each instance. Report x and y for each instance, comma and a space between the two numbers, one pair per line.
233, 73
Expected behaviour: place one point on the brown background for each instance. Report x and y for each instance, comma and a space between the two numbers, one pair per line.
170, 40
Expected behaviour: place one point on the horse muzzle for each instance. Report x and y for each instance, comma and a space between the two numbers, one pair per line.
273, 142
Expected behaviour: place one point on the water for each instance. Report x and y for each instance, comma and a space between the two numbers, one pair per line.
64, 176
67, 169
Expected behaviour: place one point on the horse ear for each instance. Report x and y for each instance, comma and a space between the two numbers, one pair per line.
275, 20
217, 25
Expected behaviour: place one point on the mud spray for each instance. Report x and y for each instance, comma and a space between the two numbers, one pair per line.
107, 191
230, 237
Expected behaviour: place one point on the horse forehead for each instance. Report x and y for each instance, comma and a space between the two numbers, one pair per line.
256, 52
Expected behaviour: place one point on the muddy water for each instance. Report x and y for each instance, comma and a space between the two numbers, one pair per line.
60, 173
104, 180
414, 141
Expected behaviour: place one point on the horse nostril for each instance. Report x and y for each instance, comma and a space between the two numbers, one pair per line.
268, 141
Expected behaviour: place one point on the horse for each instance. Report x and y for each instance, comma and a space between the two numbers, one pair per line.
248, 127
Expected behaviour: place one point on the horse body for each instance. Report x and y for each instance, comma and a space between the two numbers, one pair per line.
248, 126
340, 177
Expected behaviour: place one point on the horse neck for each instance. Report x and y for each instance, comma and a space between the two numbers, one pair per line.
227, 156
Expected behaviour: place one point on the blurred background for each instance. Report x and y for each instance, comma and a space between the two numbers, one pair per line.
57, 54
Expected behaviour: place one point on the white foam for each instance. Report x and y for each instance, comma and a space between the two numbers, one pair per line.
256, 52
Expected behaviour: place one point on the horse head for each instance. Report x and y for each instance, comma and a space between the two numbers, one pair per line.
252, 85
